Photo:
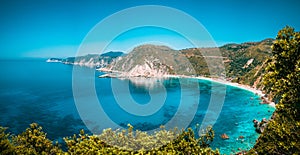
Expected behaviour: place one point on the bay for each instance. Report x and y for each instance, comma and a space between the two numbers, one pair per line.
35, 91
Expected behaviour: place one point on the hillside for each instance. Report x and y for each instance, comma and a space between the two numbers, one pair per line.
244, 63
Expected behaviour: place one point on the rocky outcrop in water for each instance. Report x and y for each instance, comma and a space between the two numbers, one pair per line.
260, 126
224, 136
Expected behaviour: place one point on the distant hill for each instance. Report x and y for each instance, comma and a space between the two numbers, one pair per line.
90, 60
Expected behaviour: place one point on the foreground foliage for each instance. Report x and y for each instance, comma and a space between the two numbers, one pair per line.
33, 141
6, 146
282, 82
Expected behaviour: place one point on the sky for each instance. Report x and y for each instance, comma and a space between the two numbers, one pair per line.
57, 28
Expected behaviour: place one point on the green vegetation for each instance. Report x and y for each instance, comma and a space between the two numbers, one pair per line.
6, 146
31, 141
34, 141
235, 58
282, 82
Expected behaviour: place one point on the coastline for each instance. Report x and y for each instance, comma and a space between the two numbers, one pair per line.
112, 74
229, 83
241, 86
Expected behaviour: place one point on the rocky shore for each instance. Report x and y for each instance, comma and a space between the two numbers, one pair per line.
260, 126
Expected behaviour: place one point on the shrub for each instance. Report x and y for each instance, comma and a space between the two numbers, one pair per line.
34, 141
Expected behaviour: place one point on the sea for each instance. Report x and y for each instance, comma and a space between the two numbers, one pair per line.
64, 99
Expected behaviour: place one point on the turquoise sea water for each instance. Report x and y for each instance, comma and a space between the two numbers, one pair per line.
36, 91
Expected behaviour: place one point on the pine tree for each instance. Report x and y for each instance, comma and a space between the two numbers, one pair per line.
282, 82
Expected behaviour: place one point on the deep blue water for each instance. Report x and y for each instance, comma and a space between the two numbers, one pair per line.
36, 91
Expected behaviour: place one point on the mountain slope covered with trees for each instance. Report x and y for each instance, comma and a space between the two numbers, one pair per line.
282, 83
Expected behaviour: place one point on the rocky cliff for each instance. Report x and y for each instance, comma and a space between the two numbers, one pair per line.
151, 61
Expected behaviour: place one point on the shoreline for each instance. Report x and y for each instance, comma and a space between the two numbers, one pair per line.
225, 82
217, 80
241, 86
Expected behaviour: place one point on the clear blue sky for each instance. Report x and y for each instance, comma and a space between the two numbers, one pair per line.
42, 28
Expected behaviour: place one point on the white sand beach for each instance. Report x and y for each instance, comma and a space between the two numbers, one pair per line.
241, 86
